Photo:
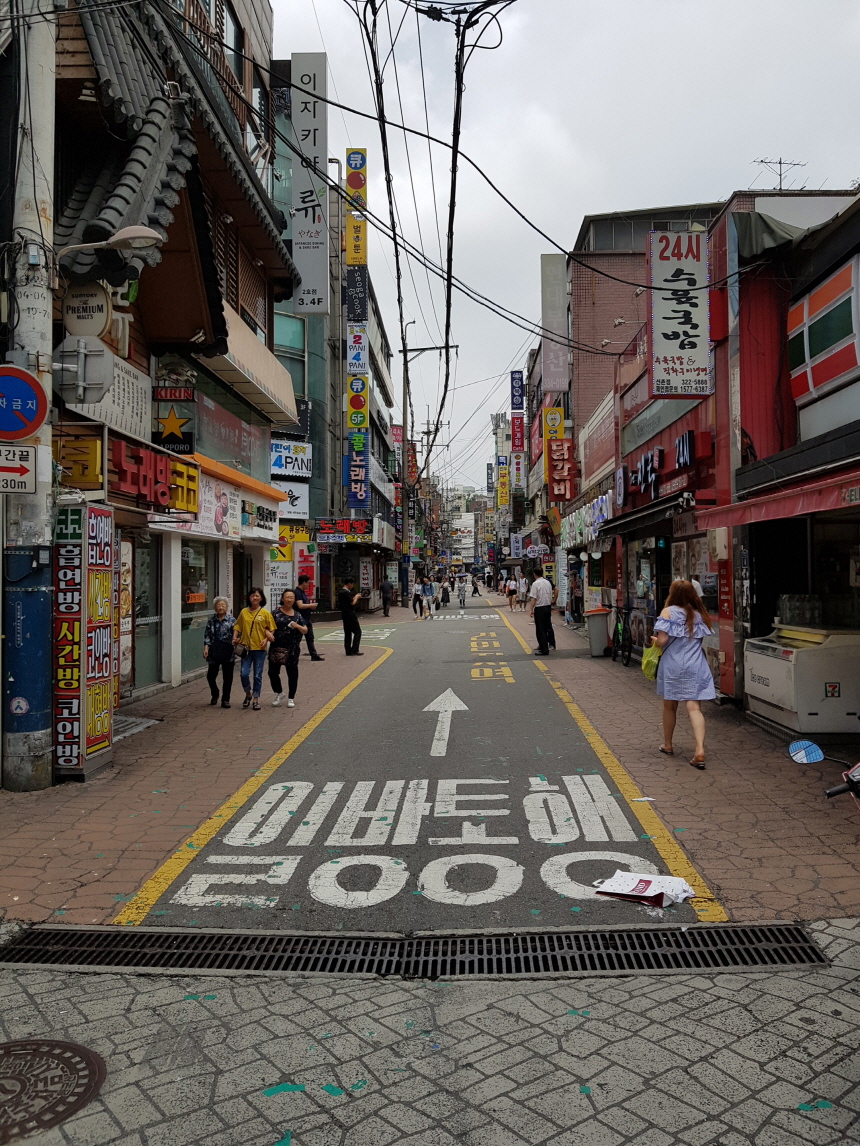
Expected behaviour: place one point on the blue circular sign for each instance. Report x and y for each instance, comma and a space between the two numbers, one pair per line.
23, 404
355, 160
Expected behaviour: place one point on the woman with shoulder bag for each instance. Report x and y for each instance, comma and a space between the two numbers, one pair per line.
252, 632
683, 673
285, 648
218, 651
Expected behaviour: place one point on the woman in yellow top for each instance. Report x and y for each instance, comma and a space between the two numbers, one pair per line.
254, 629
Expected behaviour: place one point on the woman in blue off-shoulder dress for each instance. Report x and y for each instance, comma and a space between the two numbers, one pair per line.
683, 673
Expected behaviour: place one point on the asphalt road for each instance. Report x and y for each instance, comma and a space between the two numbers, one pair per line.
496, 813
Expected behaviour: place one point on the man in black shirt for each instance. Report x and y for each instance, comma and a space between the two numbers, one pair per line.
306, 606
347, 599
387, 589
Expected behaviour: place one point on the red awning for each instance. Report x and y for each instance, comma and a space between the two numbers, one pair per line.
841, 492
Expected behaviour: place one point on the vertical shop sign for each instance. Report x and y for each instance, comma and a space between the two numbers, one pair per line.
518, 433
310, 192
126, 620
358, 482
554, 344
356, 294
560, 479
491, 477
357, 391
518, 471
411, 465
679, 358
68, 622
552, 429
356, 241
356, 177
503, 493
99, 646
357, 361
516, 390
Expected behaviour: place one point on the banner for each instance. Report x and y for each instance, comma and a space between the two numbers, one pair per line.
491, 477
356, 240
555, 374
516, 390
552, 428
503, 498
357, 361
560, 480
518, 473
518, 433
310, 190
356, 177
357, 471
679, 359
357, 405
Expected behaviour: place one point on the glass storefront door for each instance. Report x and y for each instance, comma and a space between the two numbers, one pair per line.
146, 590
199, 587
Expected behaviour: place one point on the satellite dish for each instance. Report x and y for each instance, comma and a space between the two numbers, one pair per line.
805, 752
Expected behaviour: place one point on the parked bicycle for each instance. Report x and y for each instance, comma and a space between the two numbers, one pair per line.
622, 637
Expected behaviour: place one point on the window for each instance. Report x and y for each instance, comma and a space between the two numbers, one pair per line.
233, 43
289, 332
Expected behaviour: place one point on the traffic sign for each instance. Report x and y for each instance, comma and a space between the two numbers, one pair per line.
17, 469
23, 404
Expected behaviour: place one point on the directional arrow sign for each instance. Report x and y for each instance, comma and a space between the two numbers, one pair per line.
17, 469
445, 704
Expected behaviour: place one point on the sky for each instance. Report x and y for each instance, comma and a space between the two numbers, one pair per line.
584, 107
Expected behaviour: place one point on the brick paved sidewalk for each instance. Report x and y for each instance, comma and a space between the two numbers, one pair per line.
756, 825
73, 853
761, 1059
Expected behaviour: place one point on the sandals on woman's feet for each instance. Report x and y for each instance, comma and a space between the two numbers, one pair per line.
667, 751
698, 762
246, 703
256, 705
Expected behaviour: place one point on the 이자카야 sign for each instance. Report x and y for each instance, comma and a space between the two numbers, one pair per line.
679, 361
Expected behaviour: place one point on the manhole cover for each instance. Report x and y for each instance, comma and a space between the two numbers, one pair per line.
44, 1082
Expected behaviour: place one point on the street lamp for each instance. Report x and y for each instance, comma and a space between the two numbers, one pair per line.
135, 238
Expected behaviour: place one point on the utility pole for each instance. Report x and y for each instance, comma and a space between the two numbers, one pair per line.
27, 676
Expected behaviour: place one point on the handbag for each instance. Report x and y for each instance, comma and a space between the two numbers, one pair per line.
651, 661
245, 650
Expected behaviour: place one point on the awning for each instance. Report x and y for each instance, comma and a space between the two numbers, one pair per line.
235, 477
639, 518
841, 492
254, 372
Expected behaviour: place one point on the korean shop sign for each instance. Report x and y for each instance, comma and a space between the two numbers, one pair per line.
292, 459
341, 531
679, 352
357, 392
562, 469
356, 477
158, 481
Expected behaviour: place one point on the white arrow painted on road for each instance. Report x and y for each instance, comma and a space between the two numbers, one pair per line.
445, 704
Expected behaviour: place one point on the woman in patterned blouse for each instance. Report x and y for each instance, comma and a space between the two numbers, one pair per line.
218, 651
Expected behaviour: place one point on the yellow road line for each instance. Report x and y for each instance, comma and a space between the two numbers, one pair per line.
706, 906
137, 908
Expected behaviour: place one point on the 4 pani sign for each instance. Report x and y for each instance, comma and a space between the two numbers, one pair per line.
679, 351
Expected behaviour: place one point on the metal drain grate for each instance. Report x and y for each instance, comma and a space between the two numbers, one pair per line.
614, 952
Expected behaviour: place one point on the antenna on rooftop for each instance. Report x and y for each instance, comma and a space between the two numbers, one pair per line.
779, 167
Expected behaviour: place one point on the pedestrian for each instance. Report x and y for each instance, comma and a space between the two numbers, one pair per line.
306, 607
347, 599
476, 591
540, 597
522, 592
426, 596
218, 651
286, 648
417, 598
387, 590
461, 590
437, 594
697, 585
511, 591
500, 587
683, 673
446, 592
550, 631
252, 632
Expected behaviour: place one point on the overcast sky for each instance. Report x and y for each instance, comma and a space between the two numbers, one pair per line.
585, 107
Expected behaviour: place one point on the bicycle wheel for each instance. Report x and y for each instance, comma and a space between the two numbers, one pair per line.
626, 646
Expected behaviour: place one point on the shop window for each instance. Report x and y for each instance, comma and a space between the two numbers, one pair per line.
232, 37
146, 593
253, 295
289, 331
199, 587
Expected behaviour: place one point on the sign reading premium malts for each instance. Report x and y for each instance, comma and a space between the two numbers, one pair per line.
87, 309
679, 354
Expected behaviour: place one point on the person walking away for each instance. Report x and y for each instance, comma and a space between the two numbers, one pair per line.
683, 673
437, 594
286, 648
522, 593
218, 651
461, 591
347, 599
446, 592
387, 590
253, 630
511, 591
305, 607
476, 589
417, 599
540, 599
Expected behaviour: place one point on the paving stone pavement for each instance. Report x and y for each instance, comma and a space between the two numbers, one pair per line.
755, 824
761, 1059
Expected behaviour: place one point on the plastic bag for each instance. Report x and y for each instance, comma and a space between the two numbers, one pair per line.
651, 661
